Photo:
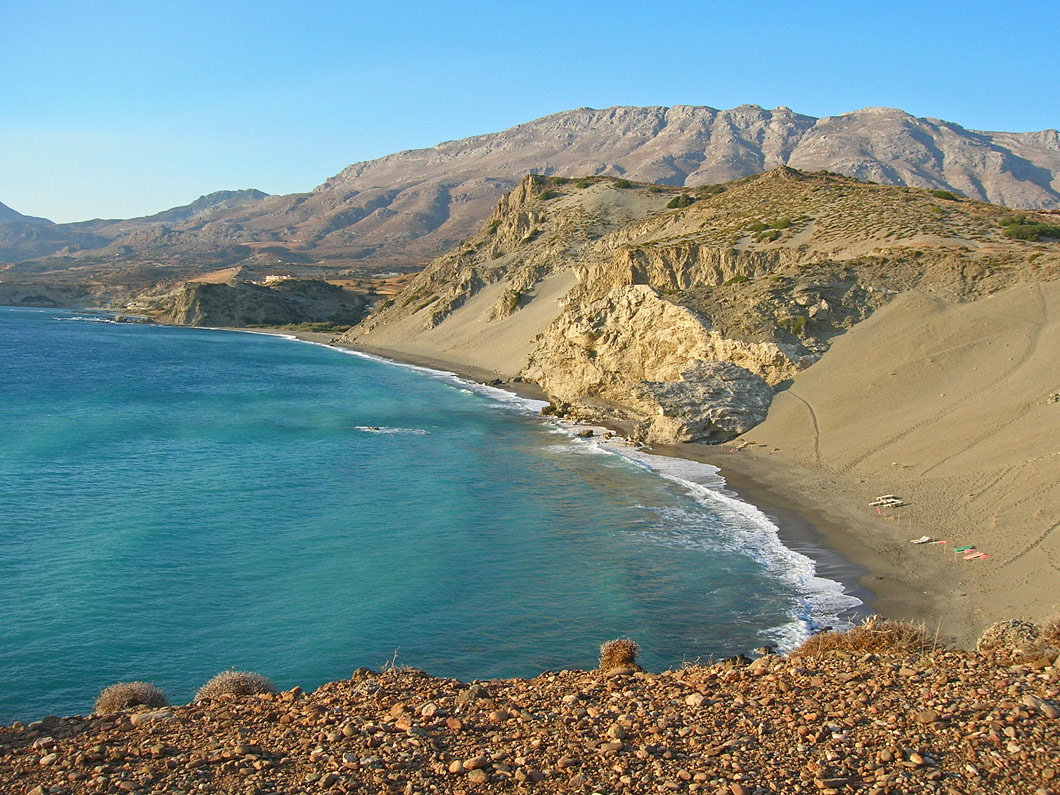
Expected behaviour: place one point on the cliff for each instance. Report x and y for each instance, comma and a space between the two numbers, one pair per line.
242, 303
677, 313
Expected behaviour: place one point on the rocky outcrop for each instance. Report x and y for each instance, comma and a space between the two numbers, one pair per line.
290, 301
658, 365
679, 316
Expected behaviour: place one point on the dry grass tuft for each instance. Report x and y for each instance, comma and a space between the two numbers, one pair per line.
620, 653
883, 636
125, 695
1012, 635
1051, 630
1021, 641
235, 683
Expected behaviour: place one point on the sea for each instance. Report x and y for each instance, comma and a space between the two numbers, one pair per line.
176, 502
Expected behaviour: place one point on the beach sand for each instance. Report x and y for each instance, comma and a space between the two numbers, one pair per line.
953, 407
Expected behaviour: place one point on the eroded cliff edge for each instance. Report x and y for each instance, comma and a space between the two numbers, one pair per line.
679, 313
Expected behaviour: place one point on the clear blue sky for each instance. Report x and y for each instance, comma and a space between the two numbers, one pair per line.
117, 109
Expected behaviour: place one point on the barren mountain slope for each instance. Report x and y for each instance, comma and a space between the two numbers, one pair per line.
402, 209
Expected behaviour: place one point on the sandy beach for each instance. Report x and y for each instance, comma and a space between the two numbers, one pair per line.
952, 407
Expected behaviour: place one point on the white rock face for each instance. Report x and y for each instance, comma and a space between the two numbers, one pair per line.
712, 402
635, 356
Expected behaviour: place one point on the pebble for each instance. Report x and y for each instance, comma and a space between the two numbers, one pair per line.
770, 730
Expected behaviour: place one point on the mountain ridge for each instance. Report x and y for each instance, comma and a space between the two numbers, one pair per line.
399, 211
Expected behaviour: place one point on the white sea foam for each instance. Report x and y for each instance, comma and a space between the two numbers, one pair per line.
744, 528
84, 319
503, 397
740, 527
386, 430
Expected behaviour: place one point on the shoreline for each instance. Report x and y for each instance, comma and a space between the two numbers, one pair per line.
802, 526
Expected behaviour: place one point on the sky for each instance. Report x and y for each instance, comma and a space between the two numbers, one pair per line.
121, 109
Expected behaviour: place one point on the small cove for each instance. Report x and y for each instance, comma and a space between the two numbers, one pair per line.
176, 502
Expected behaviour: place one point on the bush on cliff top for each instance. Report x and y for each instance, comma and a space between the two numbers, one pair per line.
883, 636
620, 653
125, 695
235, 683
1021, 641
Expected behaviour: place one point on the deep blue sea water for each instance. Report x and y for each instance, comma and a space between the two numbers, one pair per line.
176, 502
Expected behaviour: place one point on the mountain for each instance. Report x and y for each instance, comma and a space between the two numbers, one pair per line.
7, 215
399, 211
439, 194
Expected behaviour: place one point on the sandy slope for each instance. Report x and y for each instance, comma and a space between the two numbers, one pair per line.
469, 343
953, 407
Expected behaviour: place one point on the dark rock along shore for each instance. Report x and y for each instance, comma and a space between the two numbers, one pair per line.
946, 722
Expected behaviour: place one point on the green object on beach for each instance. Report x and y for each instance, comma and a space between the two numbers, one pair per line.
964, 549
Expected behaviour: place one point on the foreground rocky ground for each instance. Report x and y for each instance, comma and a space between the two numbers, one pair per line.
946, 722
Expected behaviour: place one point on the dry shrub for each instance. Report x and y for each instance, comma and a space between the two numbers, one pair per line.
1051, 631
235, 683
125, 695
1012, 636
883, 636
620, 653
1021, 641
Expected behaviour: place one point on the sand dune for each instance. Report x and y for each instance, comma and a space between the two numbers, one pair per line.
954, 407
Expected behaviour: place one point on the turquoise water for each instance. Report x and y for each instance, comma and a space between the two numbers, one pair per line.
175, 502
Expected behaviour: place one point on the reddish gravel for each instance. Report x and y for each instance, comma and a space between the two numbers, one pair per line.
951, 722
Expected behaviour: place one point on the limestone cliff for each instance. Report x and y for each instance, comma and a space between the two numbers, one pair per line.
679, 312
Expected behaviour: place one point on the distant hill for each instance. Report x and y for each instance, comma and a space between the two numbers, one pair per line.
7, 214
401, 210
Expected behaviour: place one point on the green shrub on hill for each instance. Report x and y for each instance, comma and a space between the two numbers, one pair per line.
945, 194
582, 183
548, 194
1020, 227
684, 200
623, 183
795, 324
739, 278
757, 226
